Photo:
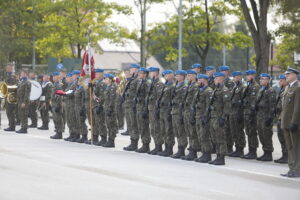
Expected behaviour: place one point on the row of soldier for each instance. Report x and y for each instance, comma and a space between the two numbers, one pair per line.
209, 112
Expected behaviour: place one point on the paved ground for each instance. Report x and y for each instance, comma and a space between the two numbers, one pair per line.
34, 167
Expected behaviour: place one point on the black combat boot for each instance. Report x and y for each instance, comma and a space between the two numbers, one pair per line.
238, 153
229, 149
43, 127
205, 158
132, 146
57, 136
167, 152
10, 129
179, 153
156, 150
110, 143
74, 138
32, 126
283, 159
191, 156
69, 137
82, 139
22, 131
266, 157
144, 149
220, 160
102, 141
95, 140
251, 154
125, 133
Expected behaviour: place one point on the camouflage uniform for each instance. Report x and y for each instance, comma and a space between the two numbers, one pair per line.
70, 109
10, 107
166, 126
130, 112
45, 99
57, 107
201, 102
142, 115
249, 119
236, 120
265, 105
154, 123
120, 111
190, 127
80, 112
220, 110
33, 105
110, 112
100, 128
23, 95
64, 85
229, 137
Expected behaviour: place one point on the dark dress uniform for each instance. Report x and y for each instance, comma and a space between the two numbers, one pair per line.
290, 122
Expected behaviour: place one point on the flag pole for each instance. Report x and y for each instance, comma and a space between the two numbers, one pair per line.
90, 89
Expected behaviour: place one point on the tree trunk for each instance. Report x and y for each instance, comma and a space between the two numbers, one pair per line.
79, 51
259, 32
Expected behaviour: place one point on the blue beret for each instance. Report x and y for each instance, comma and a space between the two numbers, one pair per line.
250, 72
196, 65
99, 70
55, 74
134, 66
236, 73
281, 77
153, 69
108, 75
292, 70
190, 71
224, 68
264, 75
218, 74
202, 76
75, 72
209, 68
143, 69
180, 72
168, 71
69, 74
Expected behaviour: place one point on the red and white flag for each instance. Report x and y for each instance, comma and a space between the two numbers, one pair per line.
88, 67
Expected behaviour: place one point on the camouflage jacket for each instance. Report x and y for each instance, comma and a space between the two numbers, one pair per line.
265, 102
130, 93
166, 96
110, 95
250, 96
56, 100
178, 98
201, 100
153, 94
79, 97
46, 92
221, 103
192, 90
141, 93
236, 98
23, 92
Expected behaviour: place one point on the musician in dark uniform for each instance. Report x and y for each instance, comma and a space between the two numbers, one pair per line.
10, 107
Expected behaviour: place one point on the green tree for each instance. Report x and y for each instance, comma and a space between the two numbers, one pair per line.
201, 31
65, 24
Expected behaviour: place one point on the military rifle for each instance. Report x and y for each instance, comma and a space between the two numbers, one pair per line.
127, 87
207, 114
157, 109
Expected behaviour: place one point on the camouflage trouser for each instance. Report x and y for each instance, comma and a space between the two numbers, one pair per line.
80, 118
251, 131
23, 115
143, 127
44, 110
204, 136
191, 132
281, 137
11, 114
229, 136
17, 115
111, 123
33, 112
237, 131
166, 127
71, 120
130, 114
58, 120
154, 125
265, 134
292, 140
64, 114
218, 136
178, 128
120, 113
100, 128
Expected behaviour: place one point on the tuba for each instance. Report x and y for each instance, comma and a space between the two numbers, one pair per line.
11, 94
122, 81
3, 90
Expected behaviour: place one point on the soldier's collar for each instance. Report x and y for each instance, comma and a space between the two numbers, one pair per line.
203, 88
24, 79
179, 84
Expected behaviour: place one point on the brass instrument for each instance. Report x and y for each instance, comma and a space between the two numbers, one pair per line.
8, 92
122, 78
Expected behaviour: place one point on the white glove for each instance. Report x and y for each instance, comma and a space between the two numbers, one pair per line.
69, 92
